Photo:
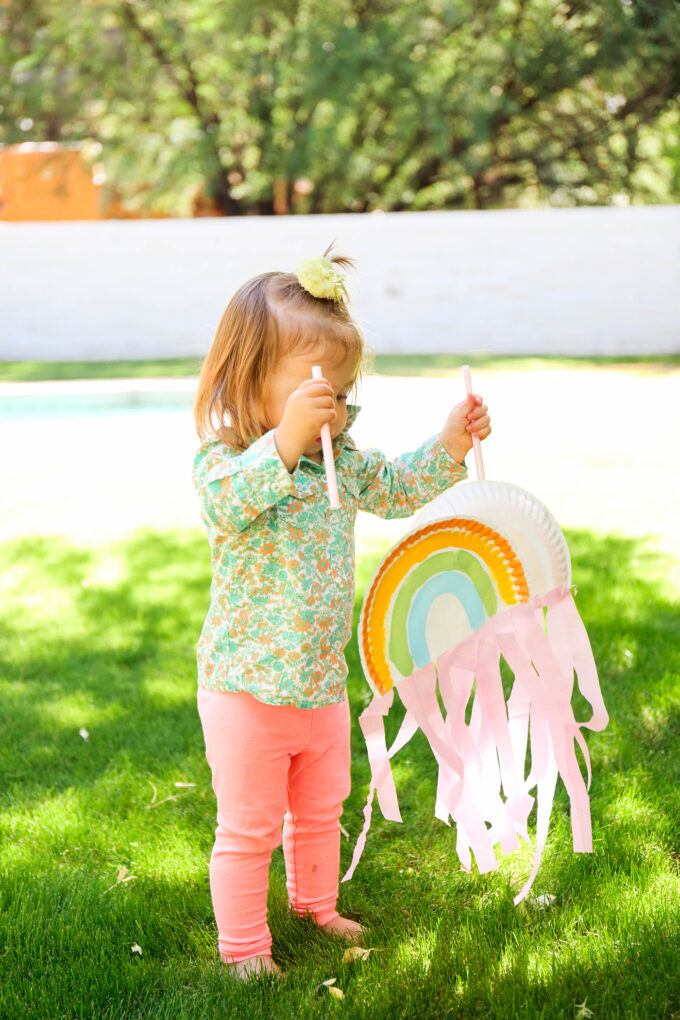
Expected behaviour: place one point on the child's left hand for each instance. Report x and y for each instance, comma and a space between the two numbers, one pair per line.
467, 419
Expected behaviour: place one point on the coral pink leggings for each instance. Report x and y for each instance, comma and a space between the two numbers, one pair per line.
273, 763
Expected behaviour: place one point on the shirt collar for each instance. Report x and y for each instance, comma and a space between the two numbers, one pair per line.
343, 438
352, 412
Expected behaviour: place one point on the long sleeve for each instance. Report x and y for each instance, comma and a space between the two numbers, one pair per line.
235, 488
400, 487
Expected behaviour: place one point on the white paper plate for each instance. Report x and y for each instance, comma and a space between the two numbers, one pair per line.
519, 517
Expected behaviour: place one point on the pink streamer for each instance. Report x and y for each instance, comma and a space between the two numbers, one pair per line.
480, 761
382, 780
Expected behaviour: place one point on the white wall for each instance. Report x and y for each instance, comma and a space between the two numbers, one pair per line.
578, 281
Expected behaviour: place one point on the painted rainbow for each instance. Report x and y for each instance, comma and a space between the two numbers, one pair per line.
406, 618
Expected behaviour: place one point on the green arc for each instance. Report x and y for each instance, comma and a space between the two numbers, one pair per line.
450, 560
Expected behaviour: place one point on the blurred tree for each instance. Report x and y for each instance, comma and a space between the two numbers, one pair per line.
306, 106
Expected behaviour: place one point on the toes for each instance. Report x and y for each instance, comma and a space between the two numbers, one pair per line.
255, 967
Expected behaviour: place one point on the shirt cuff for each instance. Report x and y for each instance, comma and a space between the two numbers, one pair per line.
442, 460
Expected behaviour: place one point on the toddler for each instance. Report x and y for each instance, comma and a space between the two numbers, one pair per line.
271, 669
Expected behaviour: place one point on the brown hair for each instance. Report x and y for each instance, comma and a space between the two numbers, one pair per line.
270, 316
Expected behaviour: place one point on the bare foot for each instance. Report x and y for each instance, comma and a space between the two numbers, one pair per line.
343, 926
254, 966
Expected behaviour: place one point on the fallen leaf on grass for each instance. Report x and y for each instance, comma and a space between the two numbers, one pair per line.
337, 993
545, 901
165, 800
356, 953
121, 877
153, 803
136, 949
84, 734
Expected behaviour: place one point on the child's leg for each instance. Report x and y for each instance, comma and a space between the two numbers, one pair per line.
248, 747
318, 783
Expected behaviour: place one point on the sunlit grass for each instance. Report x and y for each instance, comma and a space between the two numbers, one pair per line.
382, 364
107, 818
37, 371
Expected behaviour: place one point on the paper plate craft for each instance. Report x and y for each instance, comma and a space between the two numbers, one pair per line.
485, 574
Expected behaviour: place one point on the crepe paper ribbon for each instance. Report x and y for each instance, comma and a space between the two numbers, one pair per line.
328, 459
476, 444
382, 779
481, 783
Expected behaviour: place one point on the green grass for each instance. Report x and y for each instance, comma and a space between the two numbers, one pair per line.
39, 371
104, 639
381, 364
449, 364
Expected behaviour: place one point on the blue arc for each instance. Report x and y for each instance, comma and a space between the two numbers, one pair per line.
453, 583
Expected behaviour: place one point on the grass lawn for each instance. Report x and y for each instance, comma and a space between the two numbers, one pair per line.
382, 364
107, 819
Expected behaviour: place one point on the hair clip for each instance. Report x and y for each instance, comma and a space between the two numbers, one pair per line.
319, 276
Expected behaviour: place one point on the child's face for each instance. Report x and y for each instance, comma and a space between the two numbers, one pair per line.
294, 369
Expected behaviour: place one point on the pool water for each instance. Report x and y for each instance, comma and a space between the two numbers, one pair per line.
22, 408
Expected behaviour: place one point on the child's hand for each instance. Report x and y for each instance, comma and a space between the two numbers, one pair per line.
467, 419
307, 408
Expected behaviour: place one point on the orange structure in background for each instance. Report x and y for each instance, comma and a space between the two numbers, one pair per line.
47, 181
53, 181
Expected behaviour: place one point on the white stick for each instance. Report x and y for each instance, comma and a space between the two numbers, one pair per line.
476, 445
328, 459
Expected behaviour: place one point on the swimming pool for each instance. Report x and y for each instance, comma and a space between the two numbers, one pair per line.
21, 402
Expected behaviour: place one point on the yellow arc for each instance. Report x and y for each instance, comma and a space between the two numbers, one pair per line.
459, 533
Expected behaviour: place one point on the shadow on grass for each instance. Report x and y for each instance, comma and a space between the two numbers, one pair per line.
116, 642
106, 641
116, 658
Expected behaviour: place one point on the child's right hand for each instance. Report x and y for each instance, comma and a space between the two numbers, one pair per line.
307, 408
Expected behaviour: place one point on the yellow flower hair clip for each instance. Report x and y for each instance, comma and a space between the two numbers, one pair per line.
319, 276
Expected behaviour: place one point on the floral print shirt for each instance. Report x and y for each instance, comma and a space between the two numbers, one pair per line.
283, 562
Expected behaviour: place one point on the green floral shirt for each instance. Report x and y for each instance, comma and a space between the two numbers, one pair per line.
283, 562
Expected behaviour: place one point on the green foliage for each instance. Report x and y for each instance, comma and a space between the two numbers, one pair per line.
378, 104
101, 851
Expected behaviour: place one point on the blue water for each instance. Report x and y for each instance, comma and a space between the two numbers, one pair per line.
88, 405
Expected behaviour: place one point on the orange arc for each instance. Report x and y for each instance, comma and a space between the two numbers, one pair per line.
456, 532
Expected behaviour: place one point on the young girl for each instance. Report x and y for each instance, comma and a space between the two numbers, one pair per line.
271, 666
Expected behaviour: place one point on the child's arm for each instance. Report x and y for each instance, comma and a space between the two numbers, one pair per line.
234, 489
400, 487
